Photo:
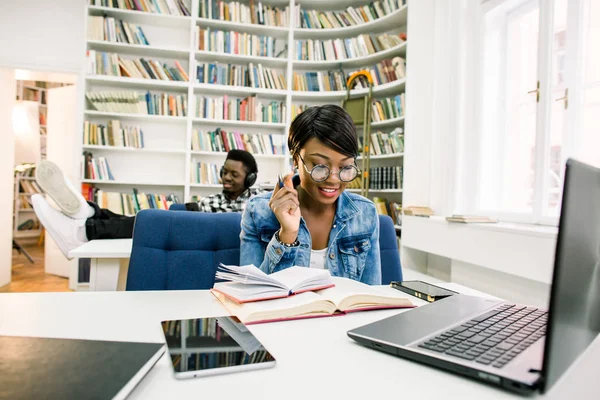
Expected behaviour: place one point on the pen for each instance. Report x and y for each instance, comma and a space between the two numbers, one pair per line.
279, 181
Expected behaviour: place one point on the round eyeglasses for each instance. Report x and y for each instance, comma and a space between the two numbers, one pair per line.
320, 172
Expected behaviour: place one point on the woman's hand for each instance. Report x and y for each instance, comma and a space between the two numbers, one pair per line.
286, 207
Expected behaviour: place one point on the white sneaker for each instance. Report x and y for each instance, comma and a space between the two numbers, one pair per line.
53, 182
63, 229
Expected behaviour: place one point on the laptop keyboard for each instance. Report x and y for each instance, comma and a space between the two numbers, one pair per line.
493, 338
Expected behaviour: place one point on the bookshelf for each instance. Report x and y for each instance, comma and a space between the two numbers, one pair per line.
25, 187
167, 160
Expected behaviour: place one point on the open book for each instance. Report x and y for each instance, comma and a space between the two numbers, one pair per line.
347, 296
249, 283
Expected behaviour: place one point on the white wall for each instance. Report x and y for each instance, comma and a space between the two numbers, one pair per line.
46, 35
8, 93
440, 66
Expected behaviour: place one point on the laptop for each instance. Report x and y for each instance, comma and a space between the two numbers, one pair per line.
520, 348
47, 368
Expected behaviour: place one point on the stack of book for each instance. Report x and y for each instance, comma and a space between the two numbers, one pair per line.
139, 103
313, 19
115, 30
254, 13
295, 293
471, 219
418, 211
169, 7
240, 75
235, 43
246, 109
345, 49
96, 168
112, 64
223, 141
112, 135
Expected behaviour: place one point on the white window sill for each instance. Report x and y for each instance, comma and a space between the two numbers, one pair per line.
509, 227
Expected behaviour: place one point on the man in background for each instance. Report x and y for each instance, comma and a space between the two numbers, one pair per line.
79, 221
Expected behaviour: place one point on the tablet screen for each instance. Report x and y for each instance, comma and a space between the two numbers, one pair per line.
210, 343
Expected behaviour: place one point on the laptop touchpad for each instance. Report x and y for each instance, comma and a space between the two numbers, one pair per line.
405, 328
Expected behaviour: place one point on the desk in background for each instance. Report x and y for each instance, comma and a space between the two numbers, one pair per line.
109, 262
315, 357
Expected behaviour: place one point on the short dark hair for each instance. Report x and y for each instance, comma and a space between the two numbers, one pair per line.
245, 158
330, 124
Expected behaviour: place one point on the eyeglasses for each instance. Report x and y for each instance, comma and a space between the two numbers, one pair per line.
320, 172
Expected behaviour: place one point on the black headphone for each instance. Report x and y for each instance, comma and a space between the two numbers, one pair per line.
248, 182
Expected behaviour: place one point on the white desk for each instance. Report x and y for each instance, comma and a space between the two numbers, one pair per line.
315, 358
109, 262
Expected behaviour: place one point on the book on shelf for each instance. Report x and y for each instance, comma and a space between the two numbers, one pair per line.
248, 283
351, 16
112, 134
168, 7
223, 141
382, 143
467, 219
387, 108
254, 76
319, 81
112, 64
389, 208
108, 29
134, 102
127, 203
238, 43
381, 178
236, 109
205, 173
256, 12
96, 168
346, 296
345, 48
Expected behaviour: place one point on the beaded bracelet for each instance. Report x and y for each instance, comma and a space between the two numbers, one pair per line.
295, 244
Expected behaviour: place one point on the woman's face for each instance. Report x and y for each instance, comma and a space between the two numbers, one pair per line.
315, 153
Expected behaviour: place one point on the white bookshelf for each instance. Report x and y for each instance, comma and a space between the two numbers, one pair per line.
165, 163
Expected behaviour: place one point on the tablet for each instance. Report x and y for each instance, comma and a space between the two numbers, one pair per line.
213, 346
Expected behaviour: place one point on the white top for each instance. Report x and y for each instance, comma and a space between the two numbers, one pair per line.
317, 258
315, 357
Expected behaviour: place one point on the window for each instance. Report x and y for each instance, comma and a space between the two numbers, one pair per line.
539, 103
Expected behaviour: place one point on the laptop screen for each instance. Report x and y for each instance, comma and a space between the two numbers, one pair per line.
574, 314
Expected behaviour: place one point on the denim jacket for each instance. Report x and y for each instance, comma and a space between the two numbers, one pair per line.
352, 251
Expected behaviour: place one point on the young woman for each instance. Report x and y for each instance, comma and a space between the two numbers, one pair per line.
311, 221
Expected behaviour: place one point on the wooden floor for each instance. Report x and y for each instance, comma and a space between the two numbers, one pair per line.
27, 277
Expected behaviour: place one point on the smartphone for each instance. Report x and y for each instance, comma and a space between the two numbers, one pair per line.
422, 290
213, 346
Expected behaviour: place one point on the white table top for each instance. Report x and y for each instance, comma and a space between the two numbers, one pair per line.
315, 358
107, 248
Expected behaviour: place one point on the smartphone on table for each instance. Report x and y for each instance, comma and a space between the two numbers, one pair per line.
423, 290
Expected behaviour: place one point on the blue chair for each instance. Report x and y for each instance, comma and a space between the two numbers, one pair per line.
391, 268
181, 251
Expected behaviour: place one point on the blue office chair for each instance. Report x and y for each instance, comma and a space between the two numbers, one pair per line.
391, 267
181, 251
